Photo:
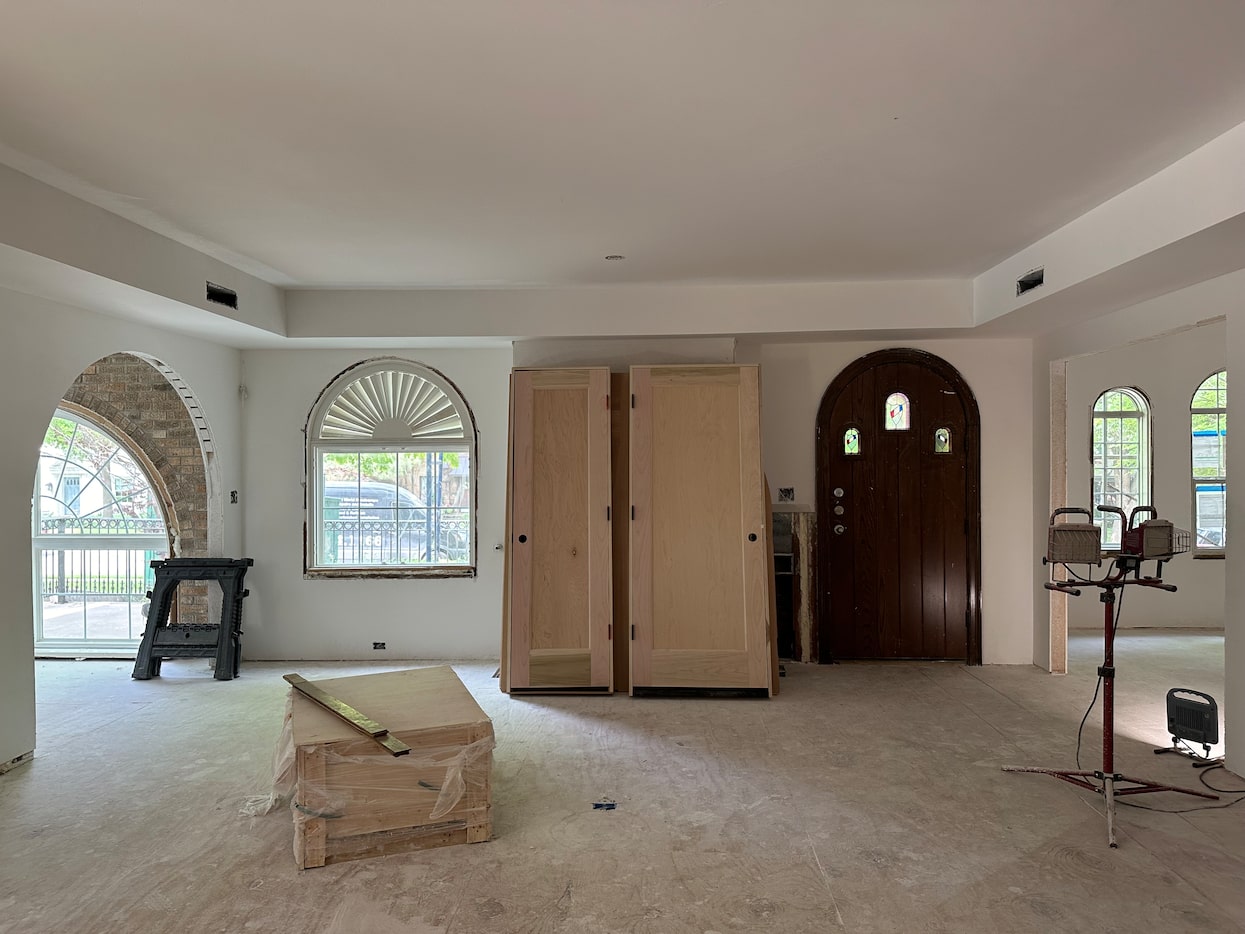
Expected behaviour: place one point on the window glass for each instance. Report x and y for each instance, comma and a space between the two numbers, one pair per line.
392, 462
1208, 456
851, 441
1121, 454
897, 415
942, 441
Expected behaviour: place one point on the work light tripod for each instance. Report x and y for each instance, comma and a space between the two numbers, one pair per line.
1113, 784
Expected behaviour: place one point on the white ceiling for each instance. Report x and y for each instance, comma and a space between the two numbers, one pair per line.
517, 142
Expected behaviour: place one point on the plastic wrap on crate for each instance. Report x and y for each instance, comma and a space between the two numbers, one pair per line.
351, 799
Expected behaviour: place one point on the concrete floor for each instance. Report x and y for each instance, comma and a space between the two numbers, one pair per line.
866, 798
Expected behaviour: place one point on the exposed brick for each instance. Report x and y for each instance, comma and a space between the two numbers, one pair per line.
135, 398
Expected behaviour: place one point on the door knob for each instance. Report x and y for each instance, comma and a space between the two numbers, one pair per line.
840, 529
522, 539
752, 536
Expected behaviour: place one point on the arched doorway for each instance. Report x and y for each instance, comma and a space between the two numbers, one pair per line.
153, 416
98, 522
898, 511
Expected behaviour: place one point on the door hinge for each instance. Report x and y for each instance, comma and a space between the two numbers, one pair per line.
633, 400
609, 631
633, 630
607, 513
607, 400
633, 514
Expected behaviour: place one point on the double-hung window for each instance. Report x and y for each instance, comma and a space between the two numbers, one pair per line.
391, 453
1208, 457
1120, 449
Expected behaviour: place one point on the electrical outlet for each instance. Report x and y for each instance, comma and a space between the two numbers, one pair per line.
786, 494
378, 645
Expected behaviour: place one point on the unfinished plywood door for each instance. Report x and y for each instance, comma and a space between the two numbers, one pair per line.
698, 550
559, 549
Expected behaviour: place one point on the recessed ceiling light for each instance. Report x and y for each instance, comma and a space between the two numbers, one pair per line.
615, 256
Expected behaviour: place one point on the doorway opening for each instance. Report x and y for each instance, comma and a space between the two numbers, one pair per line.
126, 475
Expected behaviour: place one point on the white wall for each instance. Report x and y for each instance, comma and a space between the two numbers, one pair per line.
1167, 369
288, 617
45, 347
620, 354
1234, 598
793, 379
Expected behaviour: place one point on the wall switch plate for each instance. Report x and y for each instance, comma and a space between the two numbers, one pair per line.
786, 494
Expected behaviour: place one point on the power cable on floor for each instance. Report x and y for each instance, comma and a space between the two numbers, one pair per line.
1203, 807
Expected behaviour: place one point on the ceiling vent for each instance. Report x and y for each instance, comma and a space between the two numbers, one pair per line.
220, 295
1030, 280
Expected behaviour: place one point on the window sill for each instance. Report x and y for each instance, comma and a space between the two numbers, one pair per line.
387, 573
1209, 556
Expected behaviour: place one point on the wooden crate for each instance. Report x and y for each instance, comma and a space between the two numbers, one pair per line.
351, 799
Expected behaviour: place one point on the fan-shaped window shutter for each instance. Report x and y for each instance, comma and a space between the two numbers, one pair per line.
391, 482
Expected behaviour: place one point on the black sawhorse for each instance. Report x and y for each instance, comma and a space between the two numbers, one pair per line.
163, 640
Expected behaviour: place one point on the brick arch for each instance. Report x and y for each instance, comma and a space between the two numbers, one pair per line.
155, 411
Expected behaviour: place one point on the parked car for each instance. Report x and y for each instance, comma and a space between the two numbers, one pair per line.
373, 523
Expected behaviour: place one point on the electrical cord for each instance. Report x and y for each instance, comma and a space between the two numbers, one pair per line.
1076, 576
1202, 807
1115, 624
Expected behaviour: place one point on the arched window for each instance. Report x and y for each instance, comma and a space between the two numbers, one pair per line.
97, 525
1208, 455
1121, 453
897, 414
391, 452
851, 442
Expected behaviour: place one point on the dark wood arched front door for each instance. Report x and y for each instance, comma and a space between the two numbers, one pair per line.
898, 511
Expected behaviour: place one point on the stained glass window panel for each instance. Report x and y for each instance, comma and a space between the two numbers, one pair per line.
942, 441
897, 415
851, 441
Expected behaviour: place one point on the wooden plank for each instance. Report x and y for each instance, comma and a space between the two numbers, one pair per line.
700, 668
558, 527
754, 551
620, 526
361, 722
934, 478
311, 801
504, 668
413, 699
886, 508
518, 545
641, 527
908, 495
771, 588
699, 586
600, 533
563, 668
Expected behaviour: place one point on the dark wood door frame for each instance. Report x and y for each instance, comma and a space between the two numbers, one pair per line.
826, 439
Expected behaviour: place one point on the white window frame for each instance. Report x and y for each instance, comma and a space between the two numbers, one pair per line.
113, 551
1145, 478
1200, 550
318, 444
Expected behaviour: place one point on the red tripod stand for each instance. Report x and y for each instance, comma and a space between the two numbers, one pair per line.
1113, 784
